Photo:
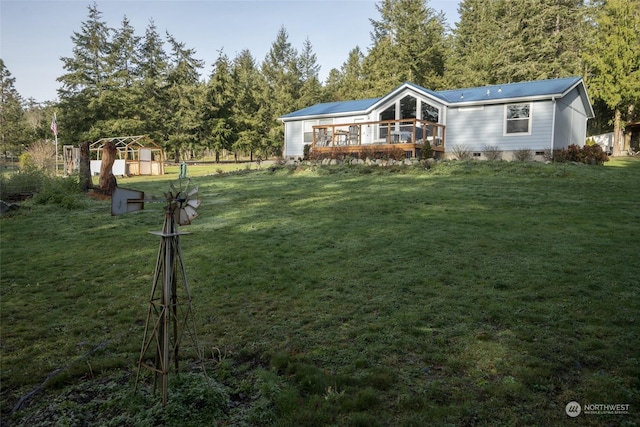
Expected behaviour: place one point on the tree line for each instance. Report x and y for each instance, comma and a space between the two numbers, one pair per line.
118, 83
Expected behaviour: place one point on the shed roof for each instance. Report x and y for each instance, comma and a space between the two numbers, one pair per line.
126, 142
539, 89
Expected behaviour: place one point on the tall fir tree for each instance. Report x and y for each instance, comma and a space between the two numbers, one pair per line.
152, 90
475, 45
539, 39
118, 103
408, 44
352, 82
311, 88
280, 69
613, 60
185, 95
85, 77
501, 41
218, 130
13, 130
249, 87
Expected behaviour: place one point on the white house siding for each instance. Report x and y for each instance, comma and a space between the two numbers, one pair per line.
570, 122
293, 139
478, 126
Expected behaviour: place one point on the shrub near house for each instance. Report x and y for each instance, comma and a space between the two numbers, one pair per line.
588, 154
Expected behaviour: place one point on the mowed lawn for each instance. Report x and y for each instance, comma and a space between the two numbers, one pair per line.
472, 293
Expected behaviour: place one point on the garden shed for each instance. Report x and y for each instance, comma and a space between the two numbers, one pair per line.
136, 155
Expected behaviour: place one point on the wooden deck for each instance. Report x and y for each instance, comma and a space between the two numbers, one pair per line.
369, 139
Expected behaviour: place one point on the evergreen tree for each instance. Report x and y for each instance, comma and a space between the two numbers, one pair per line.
311, 89
283, 78
185, 98
409, 44
332, 85
85, 76
123, 60
248, 87
13, 130
475, 44
539, 39
118, 103
352, 82
613, 58
152, 92
217, 118
499, 41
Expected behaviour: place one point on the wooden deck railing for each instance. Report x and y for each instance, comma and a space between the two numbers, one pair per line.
409, 135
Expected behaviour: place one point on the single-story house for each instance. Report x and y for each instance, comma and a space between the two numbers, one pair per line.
538, 116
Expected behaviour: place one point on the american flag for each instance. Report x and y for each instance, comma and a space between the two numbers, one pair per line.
54, 125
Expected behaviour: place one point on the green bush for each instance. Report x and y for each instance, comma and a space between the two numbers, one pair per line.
29, 180
60, 191
45, 189
426, 152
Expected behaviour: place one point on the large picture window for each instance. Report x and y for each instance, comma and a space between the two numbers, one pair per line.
518, 118
429, 113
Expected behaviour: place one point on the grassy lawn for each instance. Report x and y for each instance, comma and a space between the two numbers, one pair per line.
467, 294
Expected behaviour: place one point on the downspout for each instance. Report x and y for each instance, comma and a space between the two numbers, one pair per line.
553, 124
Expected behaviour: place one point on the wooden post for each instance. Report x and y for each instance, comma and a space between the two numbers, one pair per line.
86, 183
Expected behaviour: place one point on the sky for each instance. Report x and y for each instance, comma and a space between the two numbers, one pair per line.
35, 34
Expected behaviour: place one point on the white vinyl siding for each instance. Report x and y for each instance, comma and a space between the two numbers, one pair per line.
294, 139
571, 119
478, 126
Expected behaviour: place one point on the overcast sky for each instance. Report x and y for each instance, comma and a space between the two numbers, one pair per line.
34, 34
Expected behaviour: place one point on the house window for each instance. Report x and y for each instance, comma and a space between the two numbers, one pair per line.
388, 114
308, 132
517, 118
408, 106
429, 113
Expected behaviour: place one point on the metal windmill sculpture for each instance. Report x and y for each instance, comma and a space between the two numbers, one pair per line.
170, 314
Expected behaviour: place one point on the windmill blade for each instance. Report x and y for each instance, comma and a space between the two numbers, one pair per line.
186, 215
194, 203
193, 191
190, 212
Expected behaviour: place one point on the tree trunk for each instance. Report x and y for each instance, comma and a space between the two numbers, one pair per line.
627, 133
107, 181
86, 182
617, 133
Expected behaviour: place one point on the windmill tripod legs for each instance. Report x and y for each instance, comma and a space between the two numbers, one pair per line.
168, 315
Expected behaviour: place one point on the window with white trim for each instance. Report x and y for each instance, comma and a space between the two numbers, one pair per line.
517, 118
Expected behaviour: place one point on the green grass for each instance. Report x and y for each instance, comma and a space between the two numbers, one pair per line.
486, 293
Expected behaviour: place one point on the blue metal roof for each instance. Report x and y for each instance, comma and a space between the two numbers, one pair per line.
509, 91
539, 88
338, 107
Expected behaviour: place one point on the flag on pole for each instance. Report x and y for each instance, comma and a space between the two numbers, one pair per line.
54, 125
